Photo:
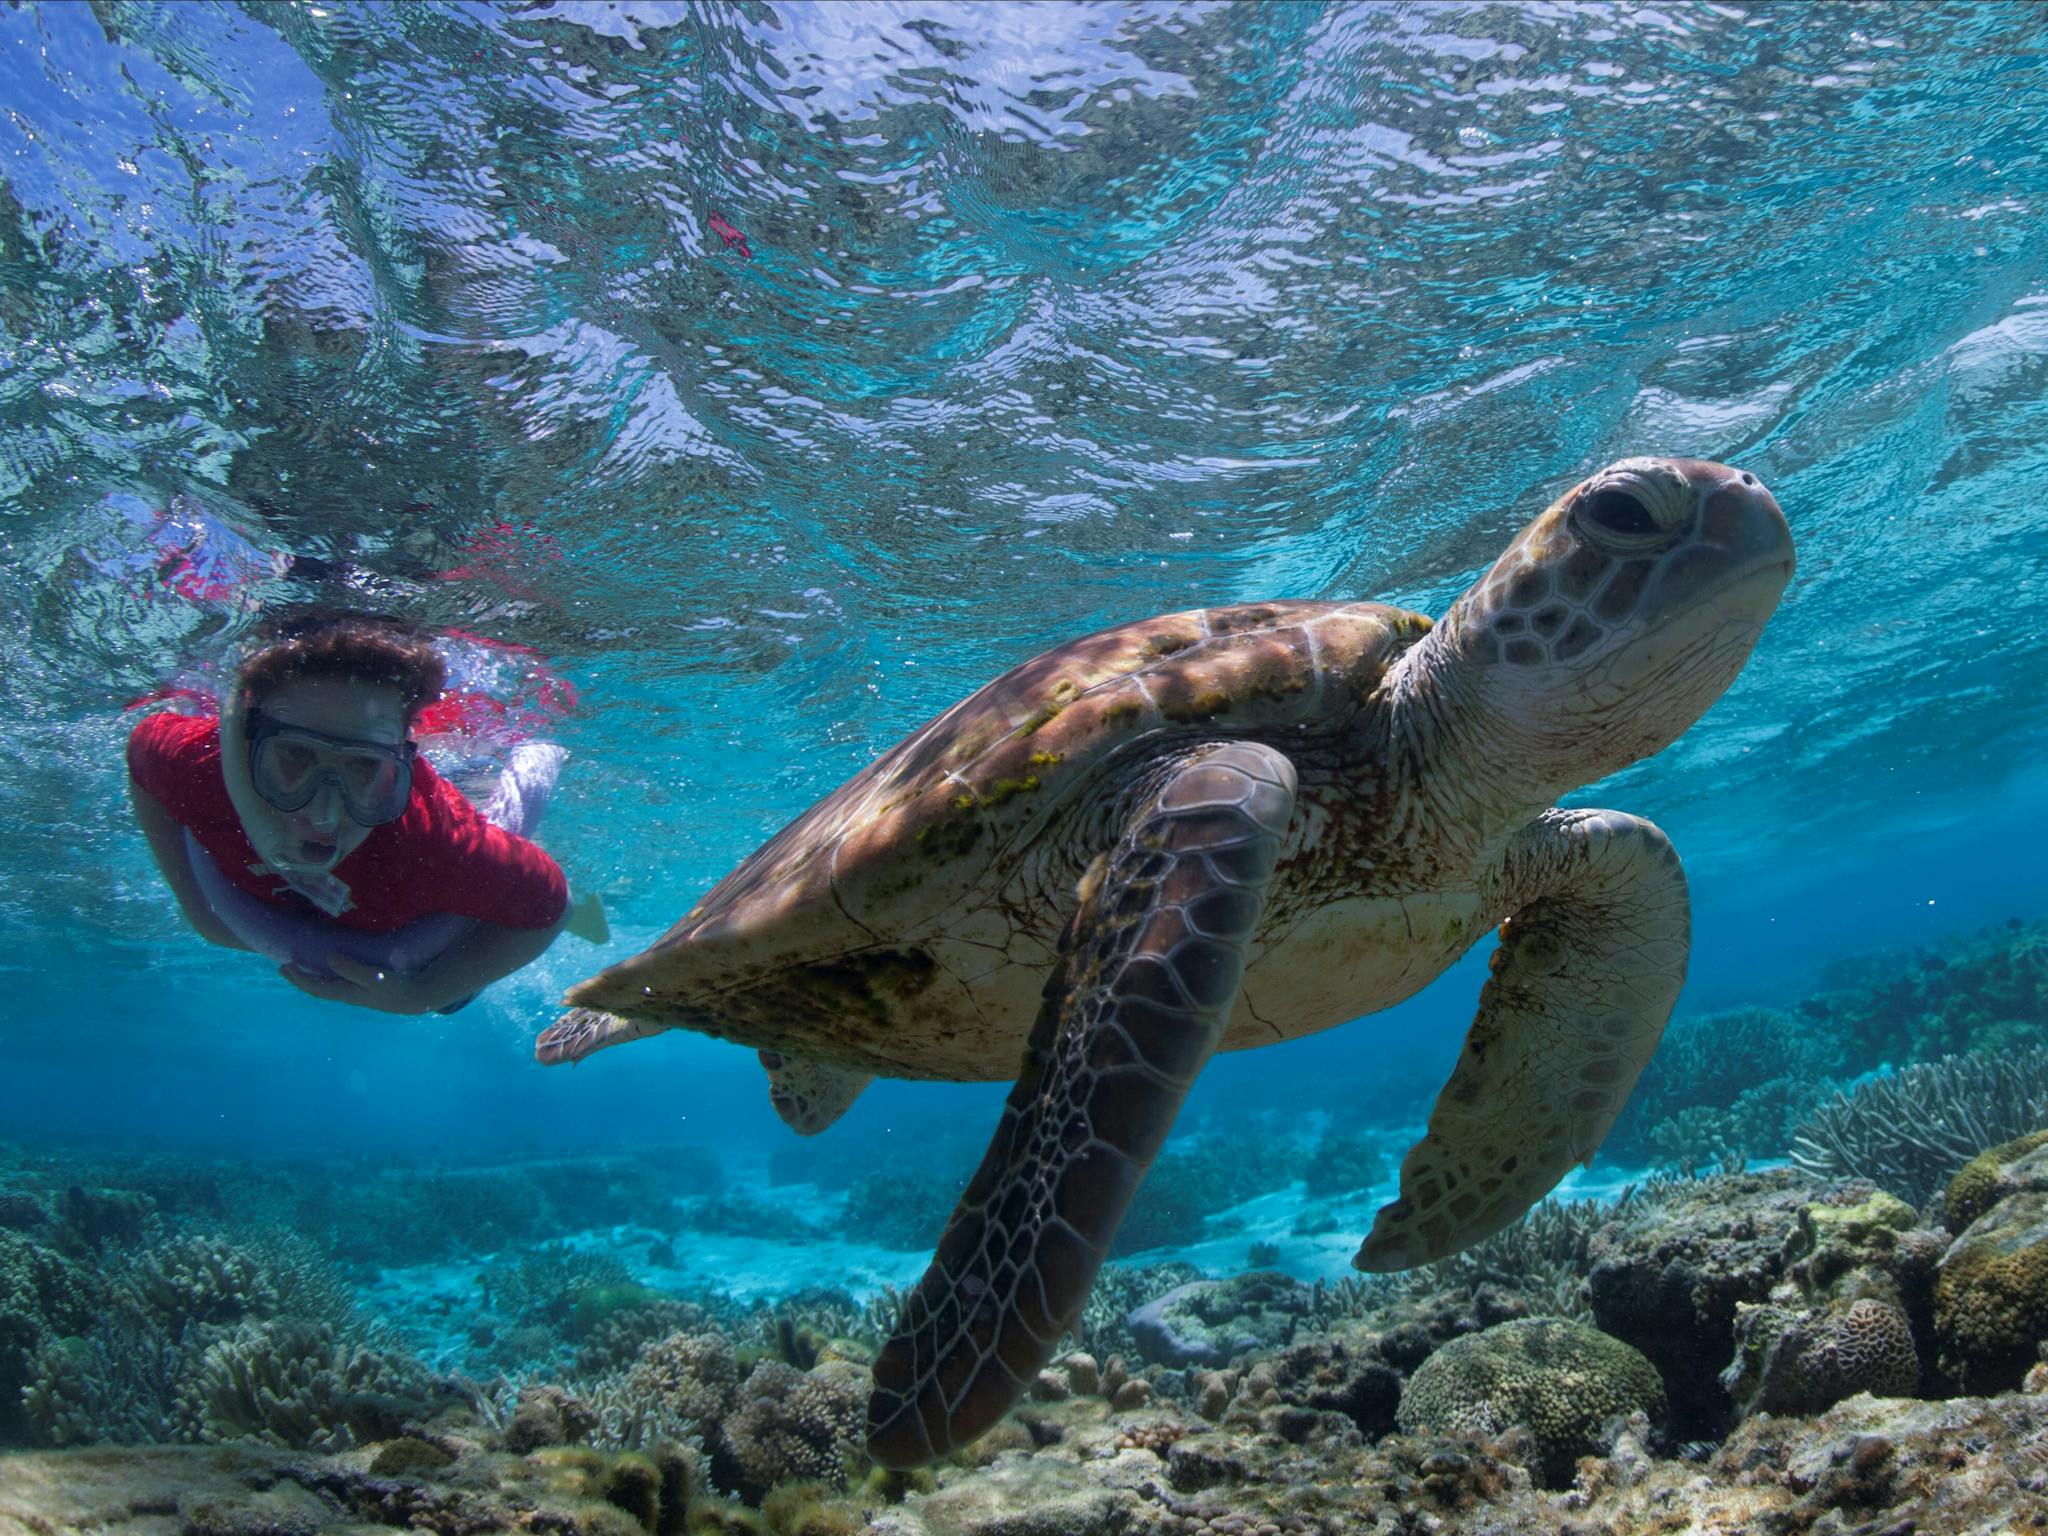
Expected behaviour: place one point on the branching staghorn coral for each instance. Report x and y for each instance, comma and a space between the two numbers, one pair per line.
630, 1420
295, 1384
788, 1424
118, 1386
1542, 1257
690, 1377
44, 1296
613, 1343
200, 1280
545, 1281
1909, 1131
109, 1353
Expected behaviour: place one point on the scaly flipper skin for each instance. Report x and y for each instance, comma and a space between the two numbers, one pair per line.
1148, 972
810, 1095
583, 1031
1585, 977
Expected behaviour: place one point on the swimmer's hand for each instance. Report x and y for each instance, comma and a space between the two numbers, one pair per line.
469, 965
366, 987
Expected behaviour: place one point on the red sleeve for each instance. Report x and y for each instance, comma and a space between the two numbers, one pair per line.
480, 871
177, 759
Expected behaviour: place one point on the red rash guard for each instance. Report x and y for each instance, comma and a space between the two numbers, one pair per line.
440, 856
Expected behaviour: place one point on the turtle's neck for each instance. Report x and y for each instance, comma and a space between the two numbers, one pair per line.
1468, 773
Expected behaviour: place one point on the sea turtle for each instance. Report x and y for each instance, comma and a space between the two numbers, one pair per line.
1219, 829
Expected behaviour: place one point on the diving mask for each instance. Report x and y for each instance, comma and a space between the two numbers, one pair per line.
288, 764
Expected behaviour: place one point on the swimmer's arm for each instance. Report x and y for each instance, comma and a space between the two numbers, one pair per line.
167, 845
479, 958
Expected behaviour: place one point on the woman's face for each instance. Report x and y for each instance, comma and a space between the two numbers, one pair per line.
321, 833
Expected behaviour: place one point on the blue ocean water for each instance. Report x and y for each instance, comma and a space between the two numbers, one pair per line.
779, 372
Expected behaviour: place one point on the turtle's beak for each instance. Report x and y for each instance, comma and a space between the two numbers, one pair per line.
1736, 561
1741, 518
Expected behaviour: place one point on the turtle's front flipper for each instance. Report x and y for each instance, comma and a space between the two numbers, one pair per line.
1148, 973
582, 1031
1584, 979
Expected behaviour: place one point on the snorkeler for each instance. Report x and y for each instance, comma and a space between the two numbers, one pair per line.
304, 824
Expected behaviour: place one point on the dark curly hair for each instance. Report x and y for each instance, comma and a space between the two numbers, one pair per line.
346, 644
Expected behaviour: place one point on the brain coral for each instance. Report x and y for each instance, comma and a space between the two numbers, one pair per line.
1560, 1379
1788, 1361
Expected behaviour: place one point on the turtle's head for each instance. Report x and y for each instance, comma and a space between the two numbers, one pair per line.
1619, 615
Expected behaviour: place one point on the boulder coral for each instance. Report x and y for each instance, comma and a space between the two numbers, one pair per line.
1991, 1293
1560, 1380
1986, 1179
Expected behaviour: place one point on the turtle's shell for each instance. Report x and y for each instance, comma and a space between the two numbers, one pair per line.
955, 854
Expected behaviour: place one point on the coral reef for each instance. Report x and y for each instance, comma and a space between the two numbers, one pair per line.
1342, 1163
899, 1209
690, 1378
905, 1203
1561, 1380
185, 1335
1876, 1465
1981, 992
1987, 1179
1757, 1082
399, 1215
736, 1215
1120, 1289
1668, 1273
1544, 1258
1333, 1374
1196, 1178
44, 1297
1780, 1320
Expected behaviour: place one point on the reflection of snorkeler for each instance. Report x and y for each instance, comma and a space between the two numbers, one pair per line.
305, 826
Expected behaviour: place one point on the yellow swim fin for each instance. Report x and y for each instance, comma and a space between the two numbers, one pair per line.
587, 920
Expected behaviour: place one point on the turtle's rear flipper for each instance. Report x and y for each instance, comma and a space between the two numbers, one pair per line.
580, 1031
1148, 973
1583, 982
809, 1095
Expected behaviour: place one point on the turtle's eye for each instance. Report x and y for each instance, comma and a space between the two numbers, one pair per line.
1616, 511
